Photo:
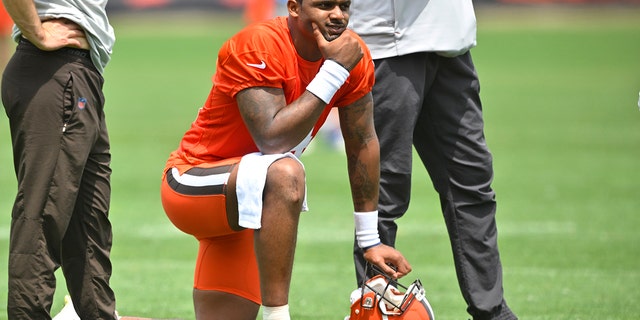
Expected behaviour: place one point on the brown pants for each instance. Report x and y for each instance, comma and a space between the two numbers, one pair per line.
54, 102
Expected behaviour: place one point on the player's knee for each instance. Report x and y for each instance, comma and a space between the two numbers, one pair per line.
287, 176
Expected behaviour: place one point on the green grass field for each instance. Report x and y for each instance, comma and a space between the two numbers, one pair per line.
560, 90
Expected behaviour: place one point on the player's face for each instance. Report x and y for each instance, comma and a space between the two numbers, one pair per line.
331, 16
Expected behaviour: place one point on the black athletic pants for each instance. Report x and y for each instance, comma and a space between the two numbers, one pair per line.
433, 103
54, 103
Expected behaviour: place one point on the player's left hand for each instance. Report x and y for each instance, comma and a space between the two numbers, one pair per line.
382, 255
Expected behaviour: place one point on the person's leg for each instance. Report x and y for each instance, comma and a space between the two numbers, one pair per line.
227, 290
32, 83
449, 138
213, 305
226, 281
87, 242
275, 241
397, 96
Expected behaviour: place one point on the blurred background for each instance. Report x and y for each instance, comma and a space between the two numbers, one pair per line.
239, 4
560, 88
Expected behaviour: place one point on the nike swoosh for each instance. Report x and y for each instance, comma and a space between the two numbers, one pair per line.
262, 65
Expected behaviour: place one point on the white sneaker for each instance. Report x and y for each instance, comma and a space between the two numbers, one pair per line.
67, 312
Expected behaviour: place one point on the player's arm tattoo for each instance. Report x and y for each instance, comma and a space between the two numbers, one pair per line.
258, 107
363, 152
363, 187
275, 126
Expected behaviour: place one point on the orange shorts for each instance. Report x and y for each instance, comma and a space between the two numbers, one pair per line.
195, 204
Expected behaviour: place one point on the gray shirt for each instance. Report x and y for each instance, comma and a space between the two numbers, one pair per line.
91, 16
399, 27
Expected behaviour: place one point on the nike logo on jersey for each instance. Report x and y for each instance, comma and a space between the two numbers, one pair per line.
262, 65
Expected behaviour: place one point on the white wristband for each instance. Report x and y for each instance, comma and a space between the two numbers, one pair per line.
328, 80
366, 228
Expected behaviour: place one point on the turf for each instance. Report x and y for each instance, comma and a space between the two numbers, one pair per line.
560, 90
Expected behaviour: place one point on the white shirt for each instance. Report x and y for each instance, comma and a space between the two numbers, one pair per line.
399, 27
91, 16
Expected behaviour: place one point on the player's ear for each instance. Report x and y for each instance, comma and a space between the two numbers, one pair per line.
293, 6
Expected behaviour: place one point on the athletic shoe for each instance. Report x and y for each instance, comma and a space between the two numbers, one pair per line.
67, 312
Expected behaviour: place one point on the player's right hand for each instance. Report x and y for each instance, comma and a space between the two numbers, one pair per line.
345, 49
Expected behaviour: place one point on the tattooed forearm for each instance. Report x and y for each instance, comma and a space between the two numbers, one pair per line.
359, 117
364, 182
363, 153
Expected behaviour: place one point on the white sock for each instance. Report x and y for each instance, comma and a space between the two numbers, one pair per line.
276, 313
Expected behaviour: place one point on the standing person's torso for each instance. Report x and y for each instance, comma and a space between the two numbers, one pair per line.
399, 27
91, 16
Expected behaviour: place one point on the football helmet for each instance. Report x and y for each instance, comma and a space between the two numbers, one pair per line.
382, 298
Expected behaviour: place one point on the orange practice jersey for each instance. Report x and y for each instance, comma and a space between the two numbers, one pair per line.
261, 55
6, 24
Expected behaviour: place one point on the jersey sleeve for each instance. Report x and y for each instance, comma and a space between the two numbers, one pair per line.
249, 59
359, 83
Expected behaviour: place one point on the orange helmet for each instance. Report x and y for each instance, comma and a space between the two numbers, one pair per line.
381, 298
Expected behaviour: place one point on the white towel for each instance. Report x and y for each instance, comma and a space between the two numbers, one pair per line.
252, 175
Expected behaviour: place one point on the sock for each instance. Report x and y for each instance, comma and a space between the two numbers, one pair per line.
276, 313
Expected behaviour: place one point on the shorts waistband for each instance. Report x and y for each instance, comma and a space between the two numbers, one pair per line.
82, 53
